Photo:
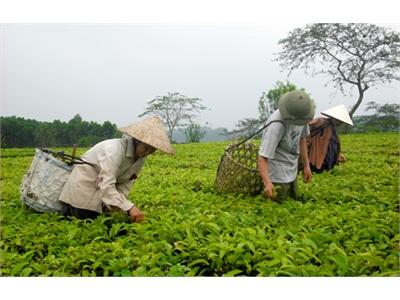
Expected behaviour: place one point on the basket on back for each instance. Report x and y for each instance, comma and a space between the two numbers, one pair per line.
237, 171
45, 179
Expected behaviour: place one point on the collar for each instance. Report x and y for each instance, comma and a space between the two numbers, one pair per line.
130, 151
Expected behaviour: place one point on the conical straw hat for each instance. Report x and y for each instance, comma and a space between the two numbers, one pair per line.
340, 113
150, 131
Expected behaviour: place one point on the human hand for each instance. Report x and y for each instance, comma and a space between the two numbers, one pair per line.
135, 214
307, 174
269, 190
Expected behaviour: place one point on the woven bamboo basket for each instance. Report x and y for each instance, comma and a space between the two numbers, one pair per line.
237, 171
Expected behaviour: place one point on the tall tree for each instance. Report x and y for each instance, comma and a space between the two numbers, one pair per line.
109, 130
269, 101
267, 104
175, 110
359, 55
45, 135
76, 129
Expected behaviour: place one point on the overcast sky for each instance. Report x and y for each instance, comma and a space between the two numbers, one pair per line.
110, 71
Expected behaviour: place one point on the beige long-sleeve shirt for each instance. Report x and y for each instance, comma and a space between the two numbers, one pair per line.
108, 182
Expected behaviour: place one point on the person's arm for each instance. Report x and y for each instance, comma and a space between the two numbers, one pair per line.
307, 174
110, 161
124, 186
263, 170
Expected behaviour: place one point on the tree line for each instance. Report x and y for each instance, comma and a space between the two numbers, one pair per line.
17, 132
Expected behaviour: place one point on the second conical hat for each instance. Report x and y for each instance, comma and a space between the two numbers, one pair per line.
340, 113
150, 131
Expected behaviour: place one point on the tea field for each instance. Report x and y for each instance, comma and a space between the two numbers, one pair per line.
346, 223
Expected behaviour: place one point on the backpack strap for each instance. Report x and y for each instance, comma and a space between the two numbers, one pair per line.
258, 131
69, 159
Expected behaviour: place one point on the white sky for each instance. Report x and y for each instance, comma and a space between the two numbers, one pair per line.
110, 71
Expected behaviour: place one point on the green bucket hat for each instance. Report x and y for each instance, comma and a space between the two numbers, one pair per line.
296, 108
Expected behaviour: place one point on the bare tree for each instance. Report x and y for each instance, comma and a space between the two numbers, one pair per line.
362, 55
174, 109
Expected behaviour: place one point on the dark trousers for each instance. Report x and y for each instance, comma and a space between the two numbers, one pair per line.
80, 213
285, 190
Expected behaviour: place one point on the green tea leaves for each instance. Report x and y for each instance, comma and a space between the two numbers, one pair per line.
346, 224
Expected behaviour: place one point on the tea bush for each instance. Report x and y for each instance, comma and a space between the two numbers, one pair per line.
346, 223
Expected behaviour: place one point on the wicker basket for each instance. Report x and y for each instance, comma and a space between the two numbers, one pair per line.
237, 171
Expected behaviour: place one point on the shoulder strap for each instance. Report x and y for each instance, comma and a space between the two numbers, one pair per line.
258, 131
69, 159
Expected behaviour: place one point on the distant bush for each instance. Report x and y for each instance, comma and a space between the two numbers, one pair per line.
385, 118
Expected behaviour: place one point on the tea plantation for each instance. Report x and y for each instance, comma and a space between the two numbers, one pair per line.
346, 224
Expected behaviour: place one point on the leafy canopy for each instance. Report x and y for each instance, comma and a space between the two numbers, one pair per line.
20, 132
267, 104
362, 55
174, 109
